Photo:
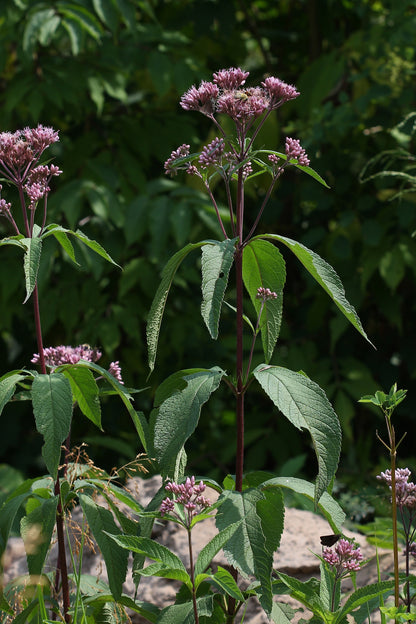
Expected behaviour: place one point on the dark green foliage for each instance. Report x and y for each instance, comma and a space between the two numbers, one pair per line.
109, 75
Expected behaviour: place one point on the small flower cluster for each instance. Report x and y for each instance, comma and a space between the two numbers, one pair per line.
56, 356
37, 185
294, 149
212, 154
187, 494
265, 294
344, 557
405, 490
18, 150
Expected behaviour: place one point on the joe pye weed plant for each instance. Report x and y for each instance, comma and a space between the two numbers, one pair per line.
249, 512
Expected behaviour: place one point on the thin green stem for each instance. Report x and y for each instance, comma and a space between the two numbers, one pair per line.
393, 453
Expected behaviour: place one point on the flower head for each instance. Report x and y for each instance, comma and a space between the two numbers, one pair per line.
279, 91
201, 99
171, 167
231, 78
64, 354
212, 153
265, 294
344, 557
188, 495
18, 150
405, 489
294, 149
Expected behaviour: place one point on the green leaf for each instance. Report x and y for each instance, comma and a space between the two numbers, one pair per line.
307, 593
93, 245
52, 407
83, 17
223, 580
311, 172
183, 613
246, 550
363, 595
174, 421
306, 406
101, 523
61, 235
8, 386
325, 275
217, 259
84, 391
209, 551
37, 530
154, 319
264, 266
152, 550
31, 263
327, 505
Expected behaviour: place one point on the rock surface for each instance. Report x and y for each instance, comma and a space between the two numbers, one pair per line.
300, 540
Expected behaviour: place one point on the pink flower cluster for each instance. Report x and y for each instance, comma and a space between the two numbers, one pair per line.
405, 490
212, 153
187, 494
294, 150
37, 185
265, 294
344, 557
18, 150
56, 356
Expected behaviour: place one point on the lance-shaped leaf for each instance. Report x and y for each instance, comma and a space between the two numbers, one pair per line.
183, 613
247, 550
361, 596
154, 320
61, 235
93, 245
8, 386
52, 407
31, 262
174, 421
101, 522
263, 266
325, 275
305, 404
37, 529
85, 391
217, 259
209, 551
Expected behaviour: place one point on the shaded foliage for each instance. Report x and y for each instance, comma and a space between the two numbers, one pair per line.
109, 75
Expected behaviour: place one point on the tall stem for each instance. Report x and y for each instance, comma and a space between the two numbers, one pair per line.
191, 572
394, 515
239, 467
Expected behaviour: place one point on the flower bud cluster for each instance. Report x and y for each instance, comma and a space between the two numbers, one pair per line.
64, 354
265, 294
212, 154
405, 490
21, 148
294, 149
344, 557
187, 494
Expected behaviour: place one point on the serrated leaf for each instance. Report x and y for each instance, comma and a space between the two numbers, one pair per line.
306, 593
306, 406
246, 550
85, 391
37, 530
326, 277
31, 262
362, 595
223, 580
174, 421
152, 550
327, 505
52, 408
93, 245
183, 613
209, 551
7, 387
217, 259
61, 235
101, 523
154, 319
264, 266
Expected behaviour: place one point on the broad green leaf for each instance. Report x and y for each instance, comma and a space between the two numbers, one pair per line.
307, 593
123, 394
75, 34
93, 245
85, 391
101, 523
263, 266
217, 259
148, 610
246, 549
183, 613
61, 235
271, 511
150, 548
327, 505
325, 275
31, 263
83, 17
281, 613
52, 407
157, 309
306, 406
9, 510
223, 580
7, 387
37, 530
209, 551
363, 595
174, 421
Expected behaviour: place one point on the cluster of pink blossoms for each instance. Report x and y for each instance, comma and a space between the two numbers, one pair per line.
56, 356
227, 95
344, 557
265, 294
187, 494
405, 490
